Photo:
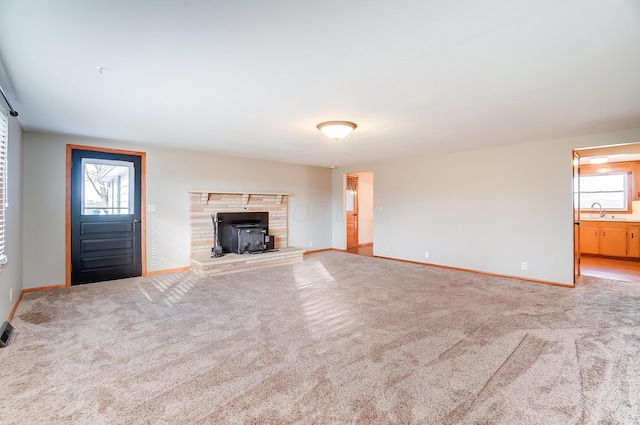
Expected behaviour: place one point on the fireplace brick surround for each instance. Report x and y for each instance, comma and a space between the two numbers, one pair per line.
204, 203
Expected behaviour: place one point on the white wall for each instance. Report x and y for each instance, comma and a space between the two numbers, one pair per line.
486, 210
170, 175
11, 274
365, 207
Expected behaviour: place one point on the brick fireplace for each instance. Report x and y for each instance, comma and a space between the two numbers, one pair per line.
204, 203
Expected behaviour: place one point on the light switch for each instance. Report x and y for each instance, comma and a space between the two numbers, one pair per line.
151, 207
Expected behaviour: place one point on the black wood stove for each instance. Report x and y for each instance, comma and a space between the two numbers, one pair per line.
245, 232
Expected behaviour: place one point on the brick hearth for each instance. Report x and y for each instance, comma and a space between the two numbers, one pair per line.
233, 263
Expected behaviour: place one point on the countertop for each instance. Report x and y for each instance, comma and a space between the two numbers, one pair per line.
619, 219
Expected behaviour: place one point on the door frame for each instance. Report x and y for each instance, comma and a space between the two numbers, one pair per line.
357, 212
576, 216
143, 203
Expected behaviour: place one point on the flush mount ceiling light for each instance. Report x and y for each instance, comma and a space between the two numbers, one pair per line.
598, 160
336, 129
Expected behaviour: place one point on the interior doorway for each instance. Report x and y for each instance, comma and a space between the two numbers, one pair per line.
351, 210
359, 212
607, 208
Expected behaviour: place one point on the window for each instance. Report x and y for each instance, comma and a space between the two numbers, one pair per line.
106, 187
610, 190
4, 130
352, 190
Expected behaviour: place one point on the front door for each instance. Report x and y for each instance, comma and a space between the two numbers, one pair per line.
105, 215
352, 211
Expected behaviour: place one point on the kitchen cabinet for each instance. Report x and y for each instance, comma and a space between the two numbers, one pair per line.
589, 237
633, 240
610, 238
613, 239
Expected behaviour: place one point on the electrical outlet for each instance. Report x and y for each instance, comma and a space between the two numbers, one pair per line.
310, 244
10, 294
525, 266
426, 254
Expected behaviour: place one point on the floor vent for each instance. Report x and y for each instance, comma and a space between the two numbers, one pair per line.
5, 332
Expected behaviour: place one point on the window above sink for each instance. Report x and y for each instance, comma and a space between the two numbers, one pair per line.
611, 191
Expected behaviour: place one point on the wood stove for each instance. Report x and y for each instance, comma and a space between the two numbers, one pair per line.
244, 232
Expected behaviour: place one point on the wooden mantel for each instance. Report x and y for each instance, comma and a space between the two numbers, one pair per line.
246, 194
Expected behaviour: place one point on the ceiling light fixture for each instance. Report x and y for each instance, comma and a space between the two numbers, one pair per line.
336, 129
599, 160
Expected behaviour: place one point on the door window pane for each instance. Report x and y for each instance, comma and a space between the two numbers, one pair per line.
352, 191
351, 200
108, 187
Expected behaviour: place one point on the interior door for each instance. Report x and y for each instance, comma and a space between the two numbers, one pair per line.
576, 216
105, 215
351, 197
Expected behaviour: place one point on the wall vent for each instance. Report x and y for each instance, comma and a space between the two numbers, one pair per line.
5, 334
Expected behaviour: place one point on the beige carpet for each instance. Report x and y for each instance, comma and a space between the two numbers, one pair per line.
337, 339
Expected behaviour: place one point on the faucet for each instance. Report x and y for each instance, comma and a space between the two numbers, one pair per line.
602, 210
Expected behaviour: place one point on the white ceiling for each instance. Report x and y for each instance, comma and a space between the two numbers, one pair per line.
253, 78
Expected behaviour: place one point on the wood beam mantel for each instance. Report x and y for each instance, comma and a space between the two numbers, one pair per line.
246, 195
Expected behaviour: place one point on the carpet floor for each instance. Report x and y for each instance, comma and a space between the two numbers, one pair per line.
336, 339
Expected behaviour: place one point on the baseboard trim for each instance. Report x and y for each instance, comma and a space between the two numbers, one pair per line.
44, 288
315, 251
544, 282
166, 271
15, 306
365, 244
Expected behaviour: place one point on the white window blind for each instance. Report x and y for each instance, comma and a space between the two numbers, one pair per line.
4, 131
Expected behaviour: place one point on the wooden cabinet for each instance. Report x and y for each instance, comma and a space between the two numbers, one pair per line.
610, 238
613, 239
589, 237
633, 240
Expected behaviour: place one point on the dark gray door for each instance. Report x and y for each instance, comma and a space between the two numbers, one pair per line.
105, 216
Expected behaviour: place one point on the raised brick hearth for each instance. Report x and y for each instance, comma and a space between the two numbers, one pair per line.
233, 263
204, 203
